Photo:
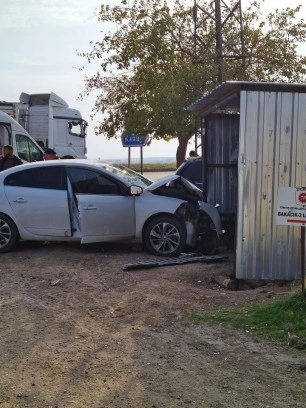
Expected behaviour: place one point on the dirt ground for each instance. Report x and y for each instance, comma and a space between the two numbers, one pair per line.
78, 331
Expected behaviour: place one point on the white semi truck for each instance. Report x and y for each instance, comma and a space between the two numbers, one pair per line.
48, 120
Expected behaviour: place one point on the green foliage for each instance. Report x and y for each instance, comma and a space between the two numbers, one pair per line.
271, 45
268, 320
144, 74
151, 69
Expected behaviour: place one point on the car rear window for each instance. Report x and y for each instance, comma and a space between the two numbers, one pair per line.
51, 178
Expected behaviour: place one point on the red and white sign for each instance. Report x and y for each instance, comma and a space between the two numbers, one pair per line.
291, 206
300, 197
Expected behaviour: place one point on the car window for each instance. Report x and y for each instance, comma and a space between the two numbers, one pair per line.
86, 181
51, 178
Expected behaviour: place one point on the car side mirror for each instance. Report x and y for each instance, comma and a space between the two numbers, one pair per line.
136, 190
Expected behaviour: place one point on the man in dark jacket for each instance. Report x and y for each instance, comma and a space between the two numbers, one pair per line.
9, 159
50, 154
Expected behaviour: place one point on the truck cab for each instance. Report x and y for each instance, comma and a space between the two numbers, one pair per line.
50, 122
25, 147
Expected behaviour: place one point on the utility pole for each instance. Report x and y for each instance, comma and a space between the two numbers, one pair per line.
215, 17
219, 53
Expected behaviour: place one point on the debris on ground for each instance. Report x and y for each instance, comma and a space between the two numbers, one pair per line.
182, 259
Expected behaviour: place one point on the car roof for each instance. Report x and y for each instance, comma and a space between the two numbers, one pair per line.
188, 162
193, 158
48, 163
90, 164
65, 161
60, 162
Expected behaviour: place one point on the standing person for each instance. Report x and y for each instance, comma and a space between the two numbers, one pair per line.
50, 154
9, 159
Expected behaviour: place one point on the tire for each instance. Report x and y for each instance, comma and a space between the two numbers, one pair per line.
165, 236
8, 234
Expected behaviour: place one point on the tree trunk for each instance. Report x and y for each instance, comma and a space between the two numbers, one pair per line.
181, 150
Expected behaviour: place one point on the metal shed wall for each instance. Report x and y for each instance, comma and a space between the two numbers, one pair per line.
221, 140
272, 153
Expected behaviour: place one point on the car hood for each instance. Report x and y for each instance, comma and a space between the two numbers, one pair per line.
176, 186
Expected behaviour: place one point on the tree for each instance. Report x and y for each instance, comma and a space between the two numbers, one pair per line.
148, 72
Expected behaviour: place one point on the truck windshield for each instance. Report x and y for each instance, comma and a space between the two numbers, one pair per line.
77, 128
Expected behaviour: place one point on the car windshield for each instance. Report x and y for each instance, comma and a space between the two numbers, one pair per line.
131, 177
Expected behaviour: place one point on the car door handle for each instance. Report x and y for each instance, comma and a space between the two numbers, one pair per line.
90, 207
20, 201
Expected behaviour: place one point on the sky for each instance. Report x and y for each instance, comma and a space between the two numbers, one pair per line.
40, 42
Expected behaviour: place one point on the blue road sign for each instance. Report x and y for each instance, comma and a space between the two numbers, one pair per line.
133, 140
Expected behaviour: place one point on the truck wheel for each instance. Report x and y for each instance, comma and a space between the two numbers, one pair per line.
8, 233
165, 236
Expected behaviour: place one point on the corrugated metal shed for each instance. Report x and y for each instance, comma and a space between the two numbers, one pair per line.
271, 154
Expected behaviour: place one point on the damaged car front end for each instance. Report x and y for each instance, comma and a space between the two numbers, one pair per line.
202, 222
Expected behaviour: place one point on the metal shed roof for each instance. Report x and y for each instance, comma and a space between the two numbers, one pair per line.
227, 95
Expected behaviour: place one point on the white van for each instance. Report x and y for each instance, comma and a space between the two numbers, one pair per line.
14, 134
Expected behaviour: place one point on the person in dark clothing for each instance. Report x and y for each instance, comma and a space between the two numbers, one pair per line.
9, 159
50, 154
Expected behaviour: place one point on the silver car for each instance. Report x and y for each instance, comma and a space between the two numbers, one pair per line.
89, 201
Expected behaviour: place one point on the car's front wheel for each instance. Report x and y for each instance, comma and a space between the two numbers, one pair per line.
8, 233
165, 236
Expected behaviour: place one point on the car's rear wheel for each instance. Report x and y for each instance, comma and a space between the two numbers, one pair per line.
8, 233
165, 236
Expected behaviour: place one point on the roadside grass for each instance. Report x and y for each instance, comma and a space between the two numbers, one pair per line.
272, 320
154, 167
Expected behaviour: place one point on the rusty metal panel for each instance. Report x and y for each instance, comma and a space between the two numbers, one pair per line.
272, 153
